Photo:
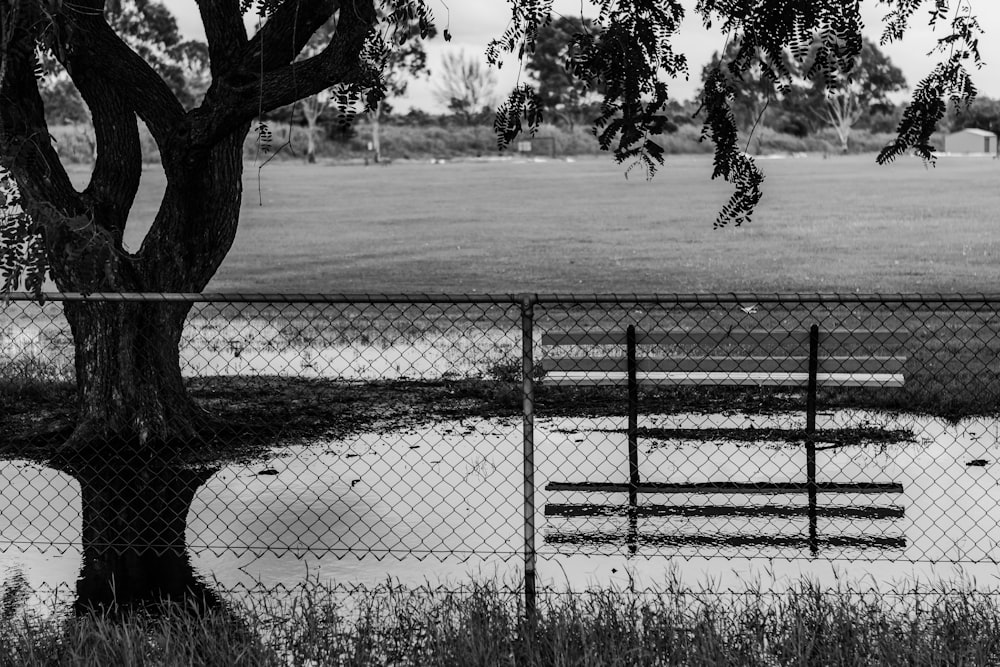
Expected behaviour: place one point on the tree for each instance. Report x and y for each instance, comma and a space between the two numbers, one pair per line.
561, 95
316, 104
983, 114
754, 89
402, 64
410, 59
465, 86
856, 94
130, 394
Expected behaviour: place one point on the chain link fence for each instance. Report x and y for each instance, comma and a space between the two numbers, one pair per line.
423, 435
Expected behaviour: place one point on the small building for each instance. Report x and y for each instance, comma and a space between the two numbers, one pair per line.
971, 140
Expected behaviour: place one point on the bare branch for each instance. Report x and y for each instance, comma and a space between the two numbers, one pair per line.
97, 53
237, 100
287, 31
115, 179
25, 144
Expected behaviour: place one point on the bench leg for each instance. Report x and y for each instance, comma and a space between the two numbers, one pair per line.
633, 420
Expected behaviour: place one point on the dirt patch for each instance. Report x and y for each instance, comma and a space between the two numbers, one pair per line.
244, 417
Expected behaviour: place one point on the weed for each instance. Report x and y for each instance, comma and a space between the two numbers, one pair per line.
485, 624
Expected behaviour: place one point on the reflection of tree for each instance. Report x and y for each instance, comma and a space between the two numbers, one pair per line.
134, 515
14, 593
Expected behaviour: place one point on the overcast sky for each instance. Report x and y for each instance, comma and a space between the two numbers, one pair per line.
474, 22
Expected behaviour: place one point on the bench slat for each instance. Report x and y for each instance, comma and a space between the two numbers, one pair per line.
729, 487
702, 541
871, 364
586, 337
762, 379
873, 512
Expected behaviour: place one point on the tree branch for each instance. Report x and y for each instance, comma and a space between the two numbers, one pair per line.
25, 144
118, 167
224, 30
94, 46
287, 31
235, 100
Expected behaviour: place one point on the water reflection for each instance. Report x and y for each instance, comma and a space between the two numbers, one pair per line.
436, 503
656, 526
133, 524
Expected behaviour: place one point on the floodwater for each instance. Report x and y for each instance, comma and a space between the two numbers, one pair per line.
443, 503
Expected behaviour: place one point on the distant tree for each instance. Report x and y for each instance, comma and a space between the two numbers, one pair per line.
418, 118
466, 86
192, 57
151, 31
398, 65
842, 99
315, 105
407, 62
883, 120
983, 114
754, 89
561, 95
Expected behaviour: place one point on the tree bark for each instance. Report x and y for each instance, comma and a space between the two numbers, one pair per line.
130, 392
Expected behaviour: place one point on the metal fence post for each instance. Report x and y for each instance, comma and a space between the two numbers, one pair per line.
633, 420
528, 395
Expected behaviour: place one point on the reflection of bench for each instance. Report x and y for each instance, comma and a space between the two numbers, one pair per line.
796, 358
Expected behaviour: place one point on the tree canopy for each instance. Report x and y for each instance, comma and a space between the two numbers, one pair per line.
837, 100
855, 95
551, 63
465, 86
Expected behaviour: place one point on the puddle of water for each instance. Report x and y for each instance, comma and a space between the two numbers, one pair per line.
422, 506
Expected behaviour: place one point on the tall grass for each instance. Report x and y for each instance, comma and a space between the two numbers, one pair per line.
486, 625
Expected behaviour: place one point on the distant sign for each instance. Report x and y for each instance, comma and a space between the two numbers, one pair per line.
524, 147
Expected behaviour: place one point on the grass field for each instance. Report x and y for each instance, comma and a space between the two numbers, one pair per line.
840, 224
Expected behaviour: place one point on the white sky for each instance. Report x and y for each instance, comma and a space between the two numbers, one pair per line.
473, 23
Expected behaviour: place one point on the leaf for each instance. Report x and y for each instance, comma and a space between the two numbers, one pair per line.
521, 103
654, 150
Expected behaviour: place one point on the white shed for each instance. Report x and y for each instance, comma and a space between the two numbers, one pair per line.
971, 140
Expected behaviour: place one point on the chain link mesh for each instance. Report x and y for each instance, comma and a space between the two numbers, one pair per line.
904, 433
391, 428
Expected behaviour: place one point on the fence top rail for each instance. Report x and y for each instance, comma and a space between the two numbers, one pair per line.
263, 297
743, 298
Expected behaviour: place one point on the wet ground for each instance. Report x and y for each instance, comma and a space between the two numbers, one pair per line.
443, 502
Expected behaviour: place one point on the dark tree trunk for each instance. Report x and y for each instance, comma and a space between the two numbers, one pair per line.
130, 392
129, 387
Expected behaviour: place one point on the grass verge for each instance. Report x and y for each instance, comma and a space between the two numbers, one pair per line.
484, 624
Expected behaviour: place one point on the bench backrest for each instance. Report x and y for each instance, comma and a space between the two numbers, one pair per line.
724, 357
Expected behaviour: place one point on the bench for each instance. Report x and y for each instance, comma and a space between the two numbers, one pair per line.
802, 358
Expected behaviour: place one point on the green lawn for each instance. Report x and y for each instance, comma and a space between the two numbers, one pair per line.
840, 224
